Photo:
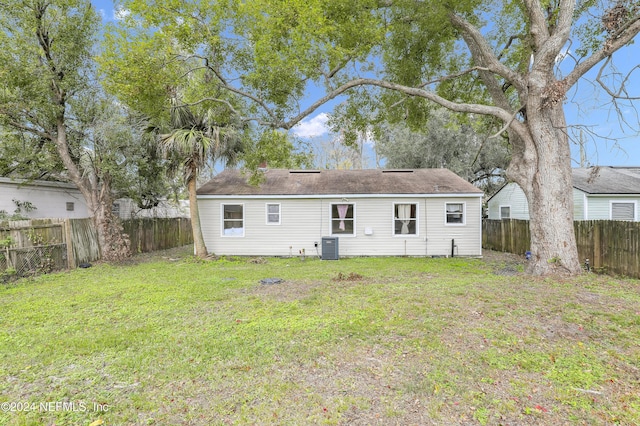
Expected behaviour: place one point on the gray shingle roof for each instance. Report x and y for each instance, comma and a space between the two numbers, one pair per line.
339, 182
607, 180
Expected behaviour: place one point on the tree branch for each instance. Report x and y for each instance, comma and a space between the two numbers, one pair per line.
488, 57
500, 113
623, 85
609, 48
549, 44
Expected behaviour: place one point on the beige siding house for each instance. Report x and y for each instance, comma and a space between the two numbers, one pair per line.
426, 212
599, 193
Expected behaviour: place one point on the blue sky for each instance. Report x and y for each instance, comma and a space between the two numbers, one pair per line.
607, 141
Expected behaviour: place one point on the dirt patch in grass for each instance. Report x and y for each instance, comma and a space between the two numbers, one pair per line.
351, 276
504, 263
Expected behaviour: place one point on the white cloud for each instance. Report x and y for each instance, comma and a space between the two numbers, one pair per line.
315, 126
120, 13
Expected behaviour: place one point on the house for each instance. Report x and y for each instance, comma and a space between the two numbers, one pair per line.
599, 193
54, 199
425, 212
50, 199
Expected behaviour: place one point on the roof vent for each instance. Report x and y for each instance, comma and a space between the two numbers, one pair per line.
397, 171
304, 171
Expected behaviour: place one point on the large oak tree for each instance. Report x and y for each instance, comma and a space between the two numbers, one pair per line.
494, 58
46, 65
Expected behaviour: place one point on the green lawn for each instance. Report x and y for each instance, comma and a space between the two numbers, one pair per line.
172, 341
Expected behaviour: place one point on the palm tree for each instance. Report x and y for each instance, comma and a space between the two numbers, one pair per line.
192, 139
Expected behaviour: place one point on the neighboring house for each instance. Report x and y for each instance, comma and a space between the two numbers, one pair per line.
54, 199
599, 193
50, 199
425, 212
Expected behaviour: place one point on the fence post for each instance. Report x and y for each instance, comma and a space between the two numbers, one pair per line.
71, 261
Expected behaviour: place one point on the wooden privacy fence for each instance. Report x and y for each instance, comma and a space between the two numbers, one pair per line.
611, 246
34, 246
158, 234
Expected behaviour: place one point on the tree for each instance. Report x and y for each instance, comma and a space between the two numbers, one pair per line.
335, 152
444, 141
447, 53
190, 139
46, 67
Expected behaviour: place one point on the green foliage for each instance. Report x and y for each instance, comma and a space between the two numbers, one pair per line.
276, 149
113, 145
445, 141
32, 66
6, 242
23, 208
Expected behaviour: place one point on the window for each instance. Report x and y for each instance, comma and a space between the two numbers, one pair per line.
71, 207
505, 212
233, 220
455, 213
405, 219
342, 219
273, 214
623, 210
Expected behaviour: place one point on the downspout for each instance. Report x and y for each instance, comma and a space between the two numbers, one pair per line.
426, 228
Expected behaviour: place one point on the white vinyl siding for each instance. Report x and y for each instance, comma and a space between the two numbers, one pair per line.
585, 206
513, 196
579, 205
52, 200
467, 238
599, 206
307, 220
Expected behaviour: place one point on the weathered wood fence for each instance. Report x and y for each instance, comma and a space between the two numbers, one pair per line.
612, 247
34, 246
158, 234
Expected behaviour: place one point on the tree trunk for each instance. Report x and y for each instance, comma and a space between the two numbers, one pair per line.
542, 168
114, 244
198, 239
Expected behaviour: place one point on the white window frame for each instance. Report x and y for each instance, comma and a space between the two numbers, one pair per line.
266, 209
635, 208
331, 219
500, 211
393, 220
222, 220
464, 213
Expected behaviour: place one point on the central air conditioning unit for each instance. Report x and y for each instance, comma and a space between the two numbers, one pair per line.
330, 248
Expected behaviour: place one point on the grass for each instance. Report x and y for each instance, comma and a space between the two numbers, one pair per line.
355, 341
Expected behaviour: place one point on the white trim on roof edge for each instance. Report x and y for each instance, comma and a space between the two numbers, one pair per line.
464, 195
